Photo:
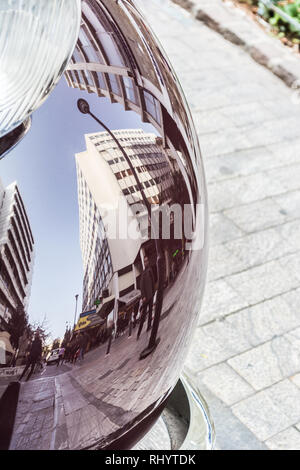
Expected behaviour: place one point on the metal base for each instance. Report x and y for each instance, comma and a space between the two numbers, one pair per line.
185, 423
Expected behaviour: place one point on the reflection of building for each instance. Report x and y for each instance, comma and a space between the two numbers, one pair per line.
16, 253
146, 156
115, 264
101, 65
112, 60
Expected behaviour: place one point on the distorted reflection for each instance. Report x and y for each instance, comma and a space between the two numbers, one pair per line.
104, 214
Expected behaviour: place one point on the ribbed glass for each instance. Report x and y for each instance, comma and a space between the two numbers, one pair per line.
37, 38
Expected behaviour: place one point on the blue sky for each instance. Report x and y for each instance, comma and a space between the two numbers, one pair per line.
43, 165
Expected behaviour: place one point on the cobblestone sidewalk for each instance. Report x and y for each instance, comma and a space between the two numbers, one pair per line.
246, 351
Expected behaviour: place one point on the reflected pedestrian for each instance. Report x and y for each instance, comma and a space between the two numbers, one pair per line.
60, 356
147, 287
83, 342
34, 355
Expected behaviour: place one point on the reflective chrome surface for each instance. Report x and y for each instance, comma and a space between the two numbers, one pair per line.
37, 38
103, 245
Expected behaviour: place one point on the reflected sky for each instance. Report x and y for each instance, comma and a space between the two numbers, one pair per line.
48, 185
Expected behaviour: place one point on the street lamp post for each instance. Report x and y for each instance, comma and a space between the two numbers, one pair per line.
76, 299
84, 108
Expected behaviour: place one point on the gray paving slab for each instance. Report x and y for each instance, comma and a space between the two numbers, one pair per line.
258, 215
222, 229
223, 262
296, 379
225, 383
259, 247
270, 362
261, 415
231, 432
263, 282
289, 203
241, 163
248, 333
220, 299
289, 439
286, 395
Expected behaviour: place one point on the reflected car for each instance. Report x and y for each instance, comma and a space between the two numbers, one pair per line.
53, 358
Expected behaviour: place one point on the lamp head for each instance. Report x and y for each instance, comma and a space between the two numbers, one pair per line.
83, 106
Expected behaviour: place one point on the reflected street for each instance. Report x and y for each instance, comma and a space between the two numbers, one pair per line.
103, 244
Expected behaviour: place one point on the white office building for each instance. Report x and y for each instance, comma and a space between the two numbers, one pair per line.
106, 184
16, 253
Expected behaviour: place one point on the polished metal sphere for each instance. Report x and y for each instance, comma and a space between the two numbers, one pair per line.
103, 244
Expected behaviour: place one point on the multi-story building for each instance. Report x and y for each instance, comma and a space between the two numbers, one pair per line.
106, 182
16, 254
102, 63
112, 60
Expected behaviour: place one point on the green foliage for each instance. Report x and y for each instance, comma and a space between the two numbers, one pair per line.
291, 8
67, 337
16, 326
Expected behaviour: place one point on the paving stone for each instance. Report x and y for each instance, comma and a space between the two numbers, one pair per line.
231, 433
248, 130
260, 247
290, 232
215, 343
296, 379
287, 152
288, 176
219, 143
263, 133
264, 321
289, 439
240, 163
250, 113
257, 216
291, 264
201, 81
226, 384
269, 363
222, 229
287, 129
261, 416
289, 203
243, 190
209, 121
263, 282
286, 395
220, 300
223, 262
287, 108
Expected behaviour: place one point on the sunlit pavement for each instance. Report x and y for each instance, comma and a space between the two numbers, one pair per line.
246, 351
103, 392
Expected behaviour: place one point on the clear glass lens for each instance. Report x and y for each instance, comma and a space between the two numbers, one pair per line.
37, 38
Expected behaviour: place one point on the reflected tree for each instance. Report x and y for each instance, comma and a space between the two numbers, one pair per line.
17, 326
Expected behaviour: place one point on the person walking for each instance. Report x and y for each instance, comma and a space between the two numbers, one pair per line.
74, 349
83, 342
34, 356
147, 292
60, 356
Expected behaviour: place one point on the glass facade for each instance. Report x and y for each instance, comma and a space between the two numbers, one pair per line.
94, 246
